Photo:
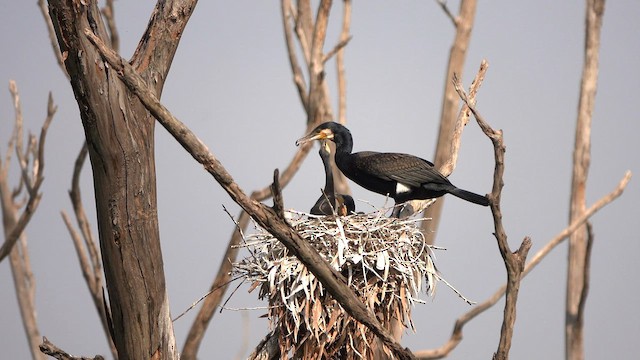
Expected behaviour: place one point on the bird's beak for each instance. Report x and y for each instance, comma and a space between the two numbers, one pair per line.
320, 135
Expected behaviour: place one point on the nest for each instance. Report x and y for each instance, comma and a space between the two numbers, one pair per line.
386, 261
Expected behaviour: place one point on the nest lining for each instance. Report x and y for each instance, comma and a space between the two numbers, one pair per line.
384, 260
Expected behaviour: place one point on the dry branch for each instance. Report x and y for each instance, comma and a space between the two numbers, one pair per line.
342, 80
298, 21
31, 182
334, 282
30, 159
60, 57
578, 242
415, 206
514, 261
87, 251
457, 54
48, 348
456, 335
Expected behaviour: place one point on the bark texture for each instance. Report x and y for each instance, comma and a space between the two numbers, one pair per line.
120, 138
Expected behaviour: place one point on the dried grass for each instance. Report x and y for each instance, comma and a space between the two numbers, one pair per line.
386, 261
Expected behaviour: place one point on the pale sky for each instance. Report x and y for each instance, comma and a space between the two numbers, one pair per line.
231, 84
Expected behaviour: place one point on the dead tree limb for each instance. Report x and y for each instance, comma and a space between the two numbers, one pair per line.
60, 58
456, 335
514, 261
87, 250
298, 25
31, 182
415, 206
30, 159
264, 216
577, 258
48, 348
463, 25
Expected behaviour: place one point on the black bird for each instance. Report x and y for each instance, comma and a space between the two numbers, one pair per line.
329, 201
402, 177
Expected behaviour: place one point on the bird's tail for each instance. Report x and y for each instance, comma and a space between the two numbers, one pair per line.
469, 196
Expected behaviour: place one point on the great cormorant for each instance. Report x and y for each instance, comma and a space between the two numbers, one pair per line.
330, 202
402, 177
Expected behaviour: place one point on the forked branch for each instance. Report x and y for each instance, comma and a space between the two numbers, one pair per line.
514, 261
18, 206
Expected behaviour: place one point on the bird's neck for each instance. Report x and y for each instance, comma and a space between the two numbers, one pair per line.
328, 187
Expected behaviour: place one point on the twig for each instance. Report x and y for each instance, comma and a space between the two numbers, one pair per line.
34, 182
336, 49
48, 348
264, 216
91, 265
195, 303
298, 77
463, 24
31, 163
463, 120
109, 15
60, 58
445, 8
342, 80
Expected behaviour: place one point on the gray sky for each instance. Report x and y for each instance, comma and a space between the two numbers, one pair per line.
230, 82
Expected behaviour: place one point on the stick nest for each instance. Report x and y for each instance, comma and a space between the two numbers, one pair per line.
384, 260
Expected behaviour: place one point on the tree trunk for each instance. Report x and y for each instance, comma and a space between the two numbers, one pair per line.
120, 137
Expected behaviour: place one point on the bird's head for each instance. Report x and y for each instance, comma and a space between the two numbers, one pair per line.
322, 132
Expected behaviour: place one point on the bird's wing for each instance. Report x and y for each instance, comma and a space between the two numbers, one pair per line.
403, 168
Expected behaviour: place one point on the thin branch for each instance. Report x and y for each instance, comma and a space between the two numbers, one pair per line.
304, 27
463, 120
450, 105
514, 261
300, 19
221, 281
456, 335
445, 8
446, 169
32, 183
48, 348
60, 58
298, 77
264, 216
25, 292
109, 16
342, 80
89, 258
31, 163
336, 49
